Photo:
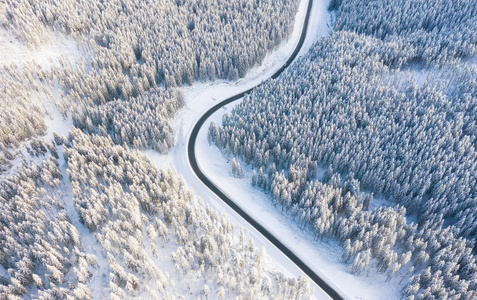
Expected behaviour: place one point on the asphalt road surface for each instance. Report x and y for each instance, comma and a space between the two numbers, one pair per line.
195, 167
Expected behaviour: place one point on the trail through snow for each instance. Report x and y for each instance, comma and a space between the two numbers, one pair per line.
90, 244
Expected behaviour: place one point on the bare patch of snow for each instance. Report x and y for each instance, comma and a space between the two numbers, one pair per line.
50, 52
320, 173
55, 121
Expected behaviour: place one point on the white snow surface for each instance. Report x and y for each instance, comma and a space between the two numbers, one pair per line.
201, 96
15, 51
55, 121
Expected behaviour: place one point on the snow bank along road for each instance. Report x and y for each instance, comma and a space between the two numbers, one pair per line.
195, 167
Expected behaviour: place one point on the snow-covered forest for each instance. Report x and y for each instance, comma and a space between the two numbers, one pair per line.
84, 214
142, 219
354, 109
429, 32
127, 49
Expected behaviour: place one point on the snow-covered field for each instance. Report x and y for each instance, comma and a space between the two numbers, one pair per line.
13, 50
201, 96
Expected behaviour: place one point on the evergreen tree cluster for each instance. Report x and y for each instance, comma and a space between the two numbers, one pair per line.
134, 210
137, 44
347, 106
436, 31
129, 48
236, 169
140, 218
41, 253
144, 122
122, 95
21, 118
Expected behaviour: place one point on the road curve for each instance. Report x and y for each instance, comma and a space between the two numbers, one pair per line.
195, 167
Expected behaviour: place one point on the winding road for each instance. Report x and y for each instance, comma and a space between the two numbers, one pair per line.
216, 190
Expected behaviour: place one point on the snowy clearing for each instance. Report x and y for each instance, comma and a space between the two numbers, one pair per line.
58, 46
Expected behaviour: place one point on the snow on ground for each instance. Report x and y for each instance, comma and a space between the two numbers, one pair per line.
55, 121
12, 50
201, 96
91, 246
421, 75
53, 51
